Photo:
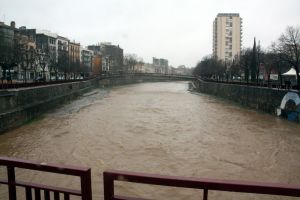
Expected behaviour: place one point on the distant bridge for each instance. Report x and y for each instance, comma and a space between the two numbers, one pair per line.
115, 77
130, 78
148, 76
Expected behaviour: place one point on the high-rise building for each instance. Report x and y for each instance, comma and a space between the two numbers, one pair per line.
227, 36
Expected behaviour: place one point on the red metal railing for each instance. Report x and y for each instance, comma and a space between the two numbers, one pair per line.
196, 183
10, 163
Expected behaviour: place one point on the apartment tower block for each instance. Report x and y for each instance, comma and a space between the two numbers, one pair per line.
227, 36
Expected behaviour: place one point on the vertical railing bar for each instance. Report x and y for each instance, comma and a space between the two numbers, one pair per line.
66, 196
28, 193
205, 194
37, 194
108, 183
46, 194
56, 196
86, 185
11, 183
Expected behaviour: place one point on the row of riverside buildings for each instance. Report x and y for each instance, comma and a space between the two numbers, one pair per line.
30, 54
34, 55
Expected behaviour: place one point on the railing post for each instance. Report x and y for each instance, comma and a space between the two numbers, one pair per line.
108, 183
205, 194
11, 183
86, 185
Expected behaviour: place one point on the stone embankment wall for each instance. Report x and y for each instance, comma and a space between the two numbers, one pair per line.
18, 106
263, 99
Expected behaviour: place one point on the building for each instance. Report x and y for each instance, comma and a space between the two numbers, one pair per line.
97, 65
63, 55
47, 46
182, 70
6, 43
112, 56
160, 65
95, 48
47, 43
26, 65
74, 56
86, 59
227, 36
6, 49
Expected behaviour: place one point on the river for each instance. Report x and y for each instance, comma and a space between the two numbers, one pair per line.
159, 128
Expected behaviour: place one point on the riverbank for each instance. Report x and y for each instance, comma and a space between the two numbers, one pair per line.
158, 128
18, 106
273, 101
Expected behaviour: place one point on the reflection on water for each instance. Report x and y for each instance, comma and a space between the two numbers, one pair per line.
159, 128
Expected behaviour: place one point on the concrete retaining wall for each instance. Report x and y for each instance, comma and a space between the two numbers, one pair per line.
18, 106
263, 99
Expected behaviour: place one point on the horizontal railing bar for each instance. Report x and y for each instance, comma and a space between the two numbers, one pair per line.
3, 181
46, 167
44, 187
49, 188
209, 184
117, 197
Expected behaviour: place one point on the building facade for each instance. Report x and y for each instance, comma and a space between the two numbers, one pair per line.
6, 43
227, 36
160, 65
112, 56
86, 59
97, 65
63, 55
74, 56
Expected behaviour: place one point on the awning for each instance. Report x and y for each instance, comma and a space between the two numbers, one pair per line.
291, 72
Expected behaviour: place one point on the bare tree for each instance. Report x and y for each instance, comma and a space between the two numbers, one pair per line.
269, 61
288, 48
245, 62
130, 61
234, 69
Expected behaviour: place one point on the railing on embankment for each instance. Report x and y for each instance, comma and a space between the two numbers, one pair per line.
35, 189
271, 84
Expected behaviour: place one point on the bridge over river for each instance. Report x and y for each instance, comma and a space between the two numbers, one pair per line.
158, 128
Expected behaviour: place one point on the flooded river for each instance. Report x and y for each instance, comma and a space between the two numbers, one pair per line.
159, 128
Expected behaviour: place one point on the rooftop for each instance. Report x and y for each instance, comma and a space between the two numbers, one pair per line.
228, 14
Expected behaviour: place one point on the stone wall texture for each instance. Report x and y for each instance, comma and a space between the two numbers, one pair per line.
18, 106
263, 99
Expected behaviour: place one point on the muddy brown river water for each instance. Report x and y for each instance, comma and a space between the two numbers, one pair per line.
159, 128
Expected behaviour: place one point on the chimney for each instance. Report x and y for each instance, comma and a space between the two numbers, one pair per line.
13, 24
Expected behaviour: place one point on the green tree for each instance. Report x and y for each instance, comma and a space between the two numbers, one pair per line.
245, 60
253, 65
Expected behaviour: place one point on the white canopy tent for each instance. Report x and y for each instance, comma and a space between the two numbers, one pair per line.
291, 72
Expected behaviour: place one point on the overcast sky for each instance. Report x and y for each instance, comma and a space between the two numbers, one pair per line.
178, 30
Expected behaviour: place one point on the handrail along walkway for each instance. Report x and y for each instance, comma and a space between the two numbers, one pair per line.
196, 183
12, 183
